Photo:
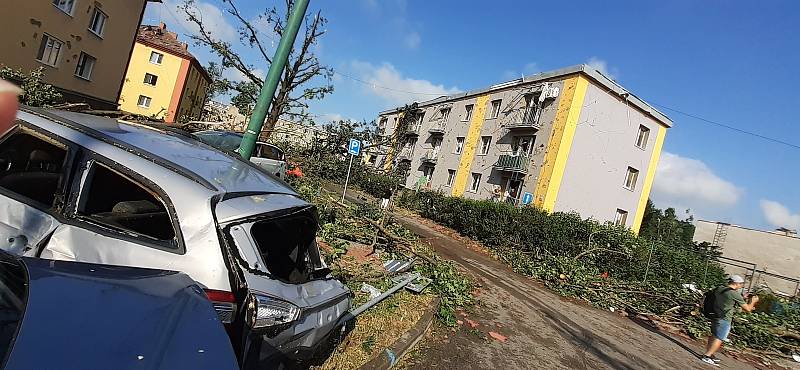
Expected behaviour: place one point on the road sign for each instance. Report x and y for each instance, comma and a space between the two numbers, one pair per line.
355, 147
527, 198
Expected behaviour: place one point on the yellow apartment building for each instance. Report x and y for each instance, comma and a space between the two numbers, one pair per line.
164, 81
83, 45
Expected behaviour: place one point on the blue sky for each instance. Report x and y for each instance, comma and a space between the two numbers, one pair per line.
728, 61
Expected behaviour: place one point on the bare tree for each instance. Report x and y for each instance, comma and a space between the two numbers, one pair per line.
303, 79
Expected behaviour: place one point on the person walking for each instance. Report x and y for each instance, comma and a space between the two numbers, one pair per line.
720, 305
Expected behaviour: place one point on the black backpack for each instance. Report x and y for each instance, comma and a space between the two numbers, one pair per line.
710, 309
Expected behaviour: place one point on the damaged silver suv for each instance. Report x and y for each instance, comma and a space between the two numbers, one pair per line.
84, 188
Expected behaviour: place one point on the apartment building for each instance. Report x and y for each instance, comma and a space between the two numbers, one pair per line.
164, 80
565, 140
83, 45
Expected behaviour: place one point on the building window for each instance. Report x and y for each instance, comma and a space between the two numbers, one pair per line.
459, 145
621, 217
150, 79
144, 101
451, 177
630, 178
85, 66
468, 108
476, 182
644, 134
50, 50
98, 23
445, 114
156, 57
66, 6
486, 142
495, 108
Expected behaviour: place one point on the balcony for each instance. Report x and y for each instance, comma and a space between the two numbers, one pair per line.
405, 155
412, 130
437, 128
512, 163
430, 157
524, 119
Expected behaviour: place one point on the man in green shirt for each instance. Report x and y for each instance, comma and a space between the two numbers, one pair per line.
727, 301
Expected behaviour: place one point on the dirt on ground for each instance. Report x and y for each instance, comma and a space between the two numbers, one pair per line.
519, 324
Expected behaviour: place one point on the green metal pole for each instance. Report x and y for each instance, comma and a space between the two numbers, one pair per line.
273, 77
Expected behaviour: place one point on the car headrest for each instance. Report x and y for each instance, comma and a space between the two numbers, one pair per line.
136, 207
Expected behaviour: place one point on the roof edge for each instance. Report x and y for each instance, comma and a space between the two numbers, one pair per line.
594, 74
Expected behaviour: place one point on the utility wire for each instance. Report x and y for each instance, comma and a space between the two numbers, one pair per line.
729, 127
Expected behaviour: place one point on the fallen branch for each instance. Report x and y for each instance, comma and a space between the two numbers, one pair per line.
401, 242
598, 249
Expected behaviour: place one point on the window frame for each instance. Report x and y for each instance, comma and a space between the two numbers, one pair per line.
468, 108
81, 62
634, 173
475, 184
459, 149
495, 109
451, 177
96, 11
149, 101
485, 145
155, 80
46, 37
89, 158
71, 8
60, 201
642, 137
621, 217
160, 57
445, 113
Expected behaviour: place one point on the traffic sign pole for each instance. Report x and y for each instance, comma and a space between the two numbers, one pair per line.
346, 179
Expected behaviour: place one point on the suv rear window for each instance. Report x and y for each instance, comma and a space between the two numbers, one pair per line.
115, 200
13, 296
31, 167
285, 244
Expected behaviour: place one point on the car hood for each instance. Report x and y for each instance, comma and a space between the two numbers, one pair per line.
88, 316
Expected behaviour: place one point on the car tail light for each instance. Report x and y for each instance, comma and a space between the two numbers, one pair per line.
224, 303
271, 311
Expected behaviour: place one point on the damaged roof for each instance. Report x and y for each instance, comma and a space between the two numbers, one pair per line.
612, 87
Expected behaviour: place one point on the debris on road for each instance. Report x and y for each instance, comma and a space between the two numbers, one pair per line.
498, 336
371, 290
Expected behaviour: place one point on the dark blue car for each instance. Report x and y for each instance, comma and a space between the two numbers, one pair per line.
69, 315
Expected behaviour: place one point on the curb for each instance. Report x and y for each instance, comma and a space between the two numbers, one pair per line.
392, 354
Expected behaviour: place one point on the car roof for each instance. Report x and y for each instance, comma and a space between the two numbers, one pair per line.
212, 168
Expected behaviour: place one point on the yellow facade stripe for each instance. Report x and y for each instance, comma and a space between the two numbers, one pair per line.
560, 143
470, 145
648, 181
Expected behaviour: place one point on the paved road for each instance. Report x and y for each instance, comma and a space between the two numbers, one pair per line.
544, 331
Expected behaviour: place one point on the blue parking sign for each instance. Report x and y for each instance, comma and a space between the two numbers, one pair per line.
355, 147
527, 198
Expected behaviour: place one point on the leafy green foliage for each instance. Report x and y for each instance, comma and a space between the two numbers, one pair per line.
36, 92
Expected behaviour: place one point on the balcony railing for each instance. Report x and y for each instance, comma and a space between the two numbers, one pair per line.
412, 130
512, 163
437, 128
405, 155
430, 157
524, 119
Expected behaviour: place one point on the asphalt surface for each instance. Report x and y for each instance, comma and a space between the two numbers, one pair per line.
543, 330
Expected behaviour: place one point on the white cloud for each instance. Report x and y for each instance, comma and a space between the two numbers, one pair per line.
779, 215
213, 18
328, 117
602, 67
687, 181
390, 85
412, 40
237, 76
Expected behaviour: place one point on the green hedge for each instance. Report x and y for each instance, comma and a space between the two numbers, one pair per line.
541, 235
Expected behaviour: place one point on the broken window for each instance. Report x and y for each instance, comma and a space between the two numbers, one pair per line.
285, 243
31, 167
114, 200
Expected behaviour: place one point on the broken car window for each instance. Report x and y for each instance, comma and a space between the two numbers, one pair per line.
113, 199
284, 243
31, 167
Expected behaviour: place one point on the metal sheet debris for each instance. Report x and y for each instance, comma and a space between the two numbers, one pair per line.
395, 266
373, 291
417, 285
